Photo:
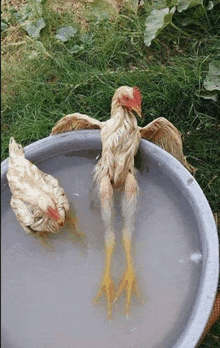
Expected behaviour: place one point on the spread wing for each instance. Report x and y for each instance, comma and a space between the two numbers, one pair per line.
74, 122
164, 134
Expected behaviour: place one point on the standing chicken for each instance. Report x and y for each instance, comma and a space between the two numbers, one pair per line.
39, 203
120, 136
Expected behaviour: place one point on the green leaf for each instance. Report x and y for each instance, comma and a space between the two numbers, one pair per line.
210, 5
184, 4
23, 14
155, 22
30, 18
212, 79
207, 95
40, 49
4, 25
76, 48
32, 29
64, 34
159, 4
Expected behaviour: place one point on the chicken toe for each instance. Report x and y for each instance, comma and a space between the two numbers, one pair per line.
107, 286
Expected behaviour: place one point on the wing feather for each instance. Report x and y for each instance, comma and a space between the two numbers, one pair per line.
164, 134
74, 122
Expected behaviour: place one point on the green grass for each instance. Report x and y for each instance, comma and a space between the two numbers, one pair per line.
39, 86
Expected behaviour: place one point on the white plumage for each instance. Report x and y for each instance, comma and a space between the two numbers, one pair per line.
120, 136
39, 203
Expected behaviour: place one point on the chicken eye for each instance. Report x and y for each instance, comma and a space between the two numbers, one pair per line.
37, 218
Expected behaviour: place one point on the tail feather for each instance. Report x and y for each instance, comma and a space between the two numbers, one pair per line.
15, 149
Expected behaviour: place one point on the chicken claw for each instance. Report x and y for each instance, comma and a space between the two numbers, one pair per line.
129, 281
107, 287
129, 284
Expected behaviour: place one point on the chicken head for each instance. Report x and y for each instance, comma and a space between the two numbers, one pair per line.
129, 98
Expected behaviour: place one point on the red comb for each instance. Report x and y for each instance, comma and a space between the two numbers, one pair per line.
53, 213
137, 95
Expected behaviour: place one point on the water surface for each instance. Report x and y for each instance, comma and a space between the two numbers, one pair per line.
47, 291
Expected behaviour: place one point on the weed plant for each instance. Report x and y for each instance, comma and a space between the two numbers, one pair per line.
42, 81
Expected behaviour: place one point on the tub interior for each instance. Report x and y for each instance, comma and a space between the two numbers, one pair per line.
47, 290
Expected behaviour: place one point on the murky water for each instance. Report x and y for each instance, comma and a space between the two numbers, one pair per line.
47, 291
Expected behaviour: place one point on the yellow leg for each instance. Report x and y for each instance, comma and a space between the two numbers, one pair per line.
129, 281
107, 285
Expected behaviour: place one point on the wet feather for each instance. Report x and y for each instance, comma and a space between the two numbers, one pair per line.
33, 192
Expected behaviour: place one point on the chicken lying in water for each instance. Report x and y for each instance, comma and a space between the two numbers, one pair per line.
39, 203
120, 136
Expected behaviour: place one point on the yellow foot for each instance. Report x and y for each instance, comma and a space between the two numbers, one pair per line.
129, 284
107, 287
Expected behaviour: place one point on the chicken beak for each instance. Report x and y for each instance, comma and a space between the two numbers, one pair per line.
60, 222
138, 111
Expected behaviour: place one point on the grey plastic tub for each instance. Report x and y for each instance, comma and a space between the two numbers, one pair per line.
47, 291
